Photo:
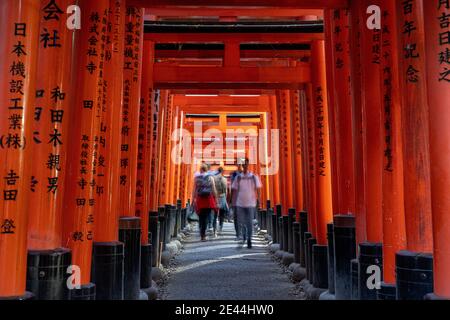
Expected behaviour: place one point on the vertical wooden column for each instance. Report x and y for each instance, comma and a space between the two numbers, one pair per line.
394, 233
342, 105
312, 172
274, 125
108, 252
415, 127
155, 147
328, 33
416, 156
84, 137
52, 103
323, 169
54, 93
19, 25
130, 109
145, 145
167, 112
129, 224
372, 140
286, 149
437, 36
356, 24
297, 146
267, 177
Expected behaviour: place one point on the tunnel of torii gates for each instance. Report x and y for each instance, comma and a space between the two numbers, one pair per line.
91, 190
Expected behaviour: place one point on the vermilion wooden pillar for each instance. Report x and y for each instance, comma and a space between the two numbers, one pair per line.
436, 15
108, 252
415, 127
84, 136
286, 149
130, 109
155, 137
371, 124
297, 149
282, 168
108, 172
312, 172
328, 33
167, 116
394, 233
323, 169
51, 113
144, 141
416, 156
357, 22
46, 198
19, 23
274, 125
340, 90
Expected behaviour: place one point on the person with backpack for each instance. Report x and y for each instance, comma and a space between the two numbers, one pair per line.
221, 186
204, 196
247, 187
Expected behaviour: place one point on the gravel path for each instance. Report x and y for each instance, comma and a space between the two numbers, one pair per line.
225, 269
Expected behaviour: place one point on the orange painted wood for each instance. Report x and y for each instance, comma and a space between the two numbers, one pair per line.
416, 154
144, 162
371, 123
181, 11
324, 208
328, 32
176, 74
297, 151
155, 140
274, 125
19, 23
84, 132
311, 152
356, 23
241, 37
438, 76
51, 113
130, 109
108, 172
342, 105
304, 4
286, 148
394, 232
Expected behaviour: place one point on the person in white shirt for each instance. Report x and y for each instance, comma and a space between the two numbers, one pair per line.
247, 187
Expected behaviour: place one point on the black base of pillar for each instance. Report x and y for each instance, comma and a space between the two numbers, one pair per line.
296, 241
354, 268
310, 268
146, 266
370, 254
285, 233
47, 273
26, 296
154, 227
320, 266
306, 237
291, 220
344, 252
86, 292
303, 229
330, 237
274, 228
107, 270
280, 233
387, 292
130, 235
414, 275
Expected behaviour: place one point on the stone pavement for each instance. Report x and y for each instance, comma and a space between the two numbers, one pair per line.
225, 269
